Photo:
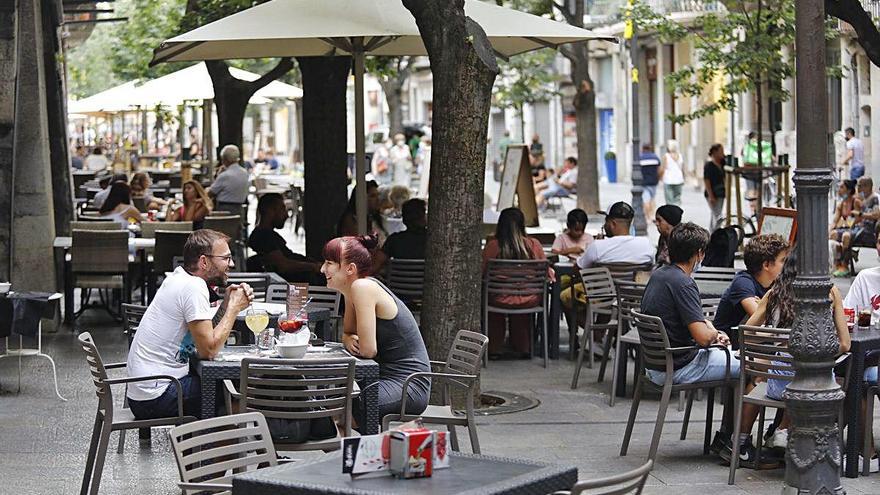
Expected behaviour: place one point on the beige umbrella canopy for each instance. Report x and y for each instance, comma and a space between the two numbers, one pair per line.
288, 28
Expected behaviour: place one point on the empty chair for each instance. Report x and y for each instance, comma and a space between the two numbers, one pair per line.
232, 226
169, 244
617, 484
298, 395
600, 313
97, 225
629, 299
131, 318
208, 452
516, 279
714, 273
406, 279
461, 370
259, 282
99, 260
325, 297
109, 419
657, 354
148, 229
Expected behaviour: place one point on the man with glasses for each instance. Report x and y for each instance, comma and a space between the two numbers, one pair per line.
180, 323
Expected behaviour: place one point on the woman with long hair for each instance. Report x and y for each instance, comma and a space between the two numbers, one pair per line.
377, 325
196, 205
118, 206
512, 243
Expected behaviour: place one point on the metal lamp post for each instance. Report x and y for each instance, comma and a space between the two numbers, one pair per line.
630, 33
813, 456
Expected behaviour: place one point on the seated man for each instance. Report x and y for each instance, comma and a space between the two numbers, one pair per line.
410, 243
561, 186
863, 232
180, 323
619, 246
272, 250
764, 257
672, 295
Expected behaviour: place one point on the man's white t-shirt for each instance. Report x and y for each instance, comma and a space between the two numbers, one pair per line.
95, 163
163, 344
865, 293
570, 176
618, 249
858, 149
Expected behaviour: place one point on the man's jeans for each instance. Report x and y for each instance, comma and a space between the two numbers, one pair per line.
166, 404
707, 366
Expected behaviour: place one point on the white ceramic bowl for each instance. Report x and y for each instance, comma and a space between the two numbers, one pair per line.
4, 287
292, 351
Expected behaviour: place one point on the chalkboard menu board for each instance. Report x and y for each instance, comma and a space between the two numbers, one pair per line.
517, 188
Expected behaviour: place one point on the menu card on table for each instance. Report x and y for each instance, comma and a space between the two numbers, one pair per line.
297, 296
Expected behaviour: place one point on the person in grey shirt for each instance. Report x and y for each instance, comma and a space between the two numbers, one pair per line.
230, 188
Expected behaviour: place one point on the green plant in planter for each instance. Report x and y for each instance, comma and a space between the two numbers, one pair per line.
609, 155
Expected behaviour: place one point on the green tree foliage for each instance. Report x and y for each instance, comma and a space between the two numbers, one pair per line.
526, 78
88, 65
150, 22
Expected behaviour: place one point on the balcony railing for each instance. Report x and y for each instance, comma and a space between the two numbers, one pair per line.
608, 11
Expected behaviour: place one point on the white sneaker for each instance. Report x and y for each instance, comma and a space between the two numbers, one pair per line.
778, 439
873, 466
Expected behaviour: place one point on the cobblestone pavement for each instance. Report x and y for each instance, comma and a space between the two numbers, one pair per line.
43, 441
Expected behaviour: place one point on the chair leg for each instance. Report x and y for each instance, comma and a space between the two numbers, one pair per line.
615, 375
687, 415
661, 419
734, 440
485, 332
453, 438
760, 439
580, 362
633, 412
710, 406
472, 423
606, 354
121, 448
544, 329
869, 430
101, 455
588, 335
90, 459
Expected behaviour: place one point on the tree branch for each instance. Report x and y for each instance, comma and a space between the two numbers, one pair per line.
567, 52
851, 11
283, 67
567, 14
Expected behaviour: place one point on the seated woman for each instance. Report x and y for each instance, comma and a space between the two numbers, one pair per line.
118, 206
512, 243
377, 326
140, 188
196, 205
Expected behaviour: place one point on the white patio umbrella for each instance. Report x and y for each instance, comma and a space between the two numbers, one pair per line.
113, 100
287, 28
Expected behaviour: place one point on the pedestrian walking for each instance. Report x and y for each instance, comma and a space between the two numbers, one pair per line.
672, 173
713, 178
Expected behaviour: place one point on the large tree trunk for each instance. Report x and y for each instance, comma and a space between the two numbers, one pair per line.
231, 97
7, 128
394, 97
867, 34
325, 81
464, 69
56, 110
585, 119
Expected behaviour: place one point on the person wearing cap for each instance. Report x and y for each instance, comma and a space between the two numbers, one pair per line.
667, 217
618, 246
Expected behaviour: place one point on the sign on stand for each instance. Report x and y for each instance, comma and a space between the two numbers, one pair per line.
517, 188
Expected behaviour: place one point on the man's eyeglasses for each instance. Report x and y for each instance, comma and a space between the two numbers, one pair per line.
226, 258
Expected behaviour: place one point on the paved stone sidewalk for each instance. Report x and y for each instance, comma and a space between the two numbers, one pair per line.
43, 441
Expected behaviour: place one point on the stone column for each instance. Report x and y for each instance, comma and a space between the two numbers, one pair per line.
33, 228
7, 127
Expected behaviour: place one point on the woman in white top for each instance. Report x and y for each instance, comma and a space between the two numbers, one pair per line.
118, 205
671, 173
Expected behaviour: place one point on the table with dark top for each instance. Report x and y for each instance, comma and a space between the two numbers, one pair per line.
863, 340
468, 474
212, 373
318, 320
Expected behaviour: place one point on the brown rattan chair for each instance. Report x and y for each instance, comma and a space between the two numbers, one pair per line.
169, 244
99, 260
99, 225
210, 451
109, 419
148, 229
630, 482
297, 389
657, 354
461, 370
516, 278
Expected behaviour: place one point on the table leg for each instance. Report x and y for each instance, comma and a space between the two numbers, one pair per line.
854, 417
572, 325
144, 274
553, 321
209, 395
68, 290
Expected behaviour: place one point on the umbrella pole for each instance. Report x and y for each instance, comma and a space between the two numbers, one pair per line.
359, 136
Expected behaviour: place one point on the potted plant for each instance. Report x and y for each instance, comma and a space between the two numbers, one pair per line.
611, 166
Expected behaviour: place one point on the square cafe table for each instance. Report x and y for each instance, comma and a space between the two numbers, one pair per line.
228, 367
864, 339
468, 474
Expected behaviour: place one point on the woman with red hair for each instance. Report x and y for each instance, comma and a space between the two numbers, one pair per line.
377, 325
